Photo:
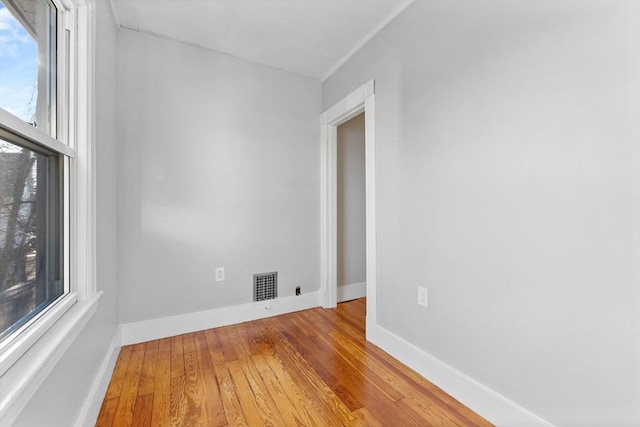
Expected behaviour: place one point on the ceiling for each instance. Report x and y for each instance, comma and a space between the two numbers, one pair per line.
309, 37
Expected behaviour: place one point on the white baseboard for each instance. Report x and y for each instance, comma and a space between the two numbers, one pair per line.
494, 407
148, 330
353, 291
91, 407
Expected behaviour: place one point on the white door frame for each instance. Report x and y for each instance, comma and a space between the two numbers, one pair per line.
358, 101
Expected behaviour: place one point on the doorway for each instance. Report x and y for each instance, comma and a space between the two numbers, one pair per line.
350, 219
361, 100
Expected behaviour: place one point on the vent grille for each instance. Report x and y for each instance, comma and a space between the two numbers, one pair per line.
265, 286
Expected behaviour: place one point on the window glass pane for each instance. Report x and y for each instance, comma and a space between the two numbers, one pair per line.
30, 234
28, 61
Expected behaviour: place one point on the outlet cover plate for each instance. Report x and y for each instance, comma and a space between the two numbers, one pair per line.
219, 274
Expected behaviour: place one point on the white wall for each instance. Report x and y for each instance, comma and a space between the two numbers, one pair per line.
508, 182
60, 398
351, 265
218, 167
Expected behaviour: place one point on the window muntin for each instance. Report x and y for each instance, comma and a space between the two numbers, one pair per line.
28, 62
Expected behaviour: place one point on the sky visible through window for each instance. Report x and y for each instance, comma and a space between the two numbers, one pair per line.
18, 68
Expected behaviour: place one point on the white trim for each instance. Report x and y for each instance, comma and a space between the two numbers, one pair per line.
12, 349
349, 106
324, 217
114, 14
148, 330
25, 130
371, 225
83, 137
352, 291
332, 216
66, 32
65, 4
365, 39
494, 407
92, 404
20, 383
43, 346
360, 100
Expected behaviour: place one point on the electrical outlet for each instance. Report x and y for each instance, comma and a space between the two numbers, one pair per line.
219, 274
297, 290
423, 297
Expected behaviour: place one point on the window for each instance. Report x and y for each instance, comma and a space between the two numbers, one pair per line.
31, 171
30, 233
28, 54
47, 205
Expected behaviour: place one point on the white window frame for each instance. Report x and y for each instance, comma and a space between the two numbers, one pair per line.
28, 358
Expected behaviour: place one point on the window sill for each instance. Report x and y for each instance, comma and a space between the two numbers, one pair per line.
19, 383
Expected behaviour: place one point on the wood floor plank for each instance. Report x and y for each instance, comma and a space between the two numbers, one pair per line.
160, 416
437, 396
143, 411
285, 407
306, 408
245, 394
379, 404
211, 394
367, 366
307, 375
215, 349
347, 314
149, 366
242, 341
227, 344
230, 402
178, 401
354, 379
267, 407
345, 335
432, 413
333, 371
107, 412
126, 403
299, 394
119, 373
420, 385
358, 364
232, 410
177, 357
381, 407
196, 415
309, 368
332, 322
363, 418
251, 334
399, 371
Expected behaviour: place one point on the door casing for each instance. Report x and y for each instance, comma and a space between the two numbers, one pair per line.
360, 100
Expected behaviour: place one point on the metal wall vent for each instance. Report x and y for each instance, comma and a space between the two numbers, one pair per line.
265, 286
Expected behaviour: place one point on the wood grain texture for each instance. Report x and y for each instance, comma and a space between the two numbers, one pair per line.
310, 368
162, 384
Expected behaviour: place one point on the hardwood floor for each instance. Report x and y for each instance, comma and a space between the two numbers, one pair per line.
310, 368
